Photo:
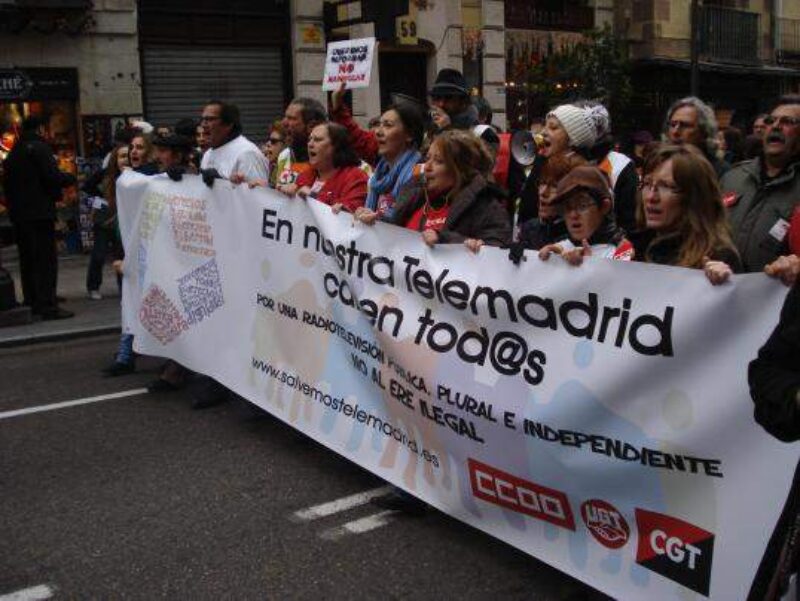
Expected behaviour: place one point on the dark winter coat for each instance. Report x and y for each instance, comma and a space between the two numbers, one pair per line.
774, 378
475, 212
32, 180
755, 206
665, 250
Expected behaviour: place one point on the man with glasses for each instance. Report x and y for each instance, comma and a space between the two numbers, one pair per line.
229, 152
762, 194
692, 121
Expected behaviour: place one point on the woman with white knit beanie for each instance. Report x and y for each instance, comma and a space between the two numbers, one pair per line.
568, 127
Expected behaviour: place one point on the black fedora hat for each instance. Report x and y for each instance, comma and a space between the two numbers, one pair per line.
449, 82
176, 141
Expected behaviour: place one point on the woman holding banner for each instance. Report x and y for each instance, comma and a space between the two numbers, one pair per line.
455, 203
395, 142
335, 176
683, 216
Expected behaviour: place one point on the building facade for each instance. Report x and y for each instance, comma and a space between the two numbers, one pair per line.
748, 54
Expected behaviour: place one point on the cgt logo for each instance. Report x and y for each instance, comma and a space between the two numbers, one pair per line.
606, 524
675, 549
496, 486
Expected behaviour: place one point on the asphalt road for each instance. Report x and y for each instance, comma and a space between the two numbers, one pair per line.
142, 498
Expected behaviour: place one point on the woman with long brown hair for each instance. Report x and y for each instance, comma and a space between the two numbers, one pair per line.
683, 218
456, 203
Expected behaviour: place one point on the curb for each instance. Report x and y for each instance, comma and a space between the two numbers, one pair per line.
58, 336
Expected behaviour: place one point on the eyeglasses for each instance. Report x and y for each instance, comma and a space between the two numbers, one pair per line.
209, 118
678, 124
782, 121
581, 206
275, 141
661, 188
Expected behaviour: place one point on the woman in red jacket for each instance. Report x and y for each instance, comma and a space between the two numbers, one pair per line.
335, 177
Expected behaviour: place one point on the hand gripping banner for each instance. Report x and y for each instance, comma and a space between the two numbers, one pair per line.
598, 418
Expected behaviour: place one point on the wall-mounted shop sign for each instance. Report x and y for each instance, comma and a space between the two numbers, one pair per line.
38, 84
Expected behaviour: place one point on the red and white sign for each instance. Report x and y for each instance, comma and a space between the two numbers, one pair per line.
348, 61
504, 489
606, 524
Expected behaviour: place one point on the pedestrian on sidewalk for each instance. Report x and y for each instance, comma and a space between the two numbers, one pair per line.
33, 184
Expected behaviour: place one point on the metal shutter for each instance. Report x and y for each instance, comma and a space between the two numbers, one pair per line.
179, 80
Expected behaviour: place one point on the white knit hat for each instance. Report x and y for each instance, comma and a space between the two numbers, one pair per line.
578, 124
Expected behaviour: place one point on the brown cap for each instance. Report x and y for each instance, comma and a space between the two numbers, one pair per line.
586, 178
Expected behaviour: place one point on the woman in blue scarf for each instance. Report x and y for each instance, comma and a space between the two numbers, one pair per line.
399, 136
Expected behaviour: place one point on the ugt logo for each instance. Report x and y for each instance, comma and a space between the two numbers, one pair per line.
675, 549
606, 524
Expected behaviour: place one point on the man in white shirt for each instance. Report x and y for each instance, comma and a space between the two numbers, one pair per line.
230, 152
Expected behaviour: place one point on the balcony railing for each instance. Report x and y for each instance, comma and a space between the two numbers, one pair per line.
787, 40
561, 15
728, 35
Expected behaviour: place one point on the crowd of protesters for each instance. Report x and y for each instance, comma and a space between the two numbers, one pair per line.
698, 199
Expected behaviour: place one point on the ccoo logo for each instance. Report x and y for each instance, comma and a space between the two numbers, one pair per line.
606, 524
675, 549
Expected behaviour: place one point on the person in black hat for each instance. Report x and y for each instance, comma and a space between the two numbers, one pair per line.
452, 108
173, 153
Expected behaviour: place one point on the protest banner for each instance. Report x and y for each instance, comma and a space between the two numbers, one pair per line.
597, 418
348, 61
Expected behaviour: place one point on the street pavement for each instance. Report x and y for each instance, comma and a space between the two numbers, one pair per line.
140, 497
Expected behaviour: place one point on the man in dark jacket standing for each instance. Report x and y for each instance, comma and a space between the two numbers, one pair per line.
32, 185
452, 107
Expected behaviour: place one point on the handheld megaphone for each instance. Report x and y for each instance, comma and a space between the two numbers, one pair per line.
523, 147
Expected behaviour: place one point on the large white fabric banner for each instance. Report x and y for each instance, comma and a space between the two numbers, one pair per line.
597, 417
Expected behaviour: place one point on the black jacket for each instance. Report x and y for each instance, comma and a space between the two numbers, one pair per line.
32, 181
476, 212
774, 375
665, 250
774, 378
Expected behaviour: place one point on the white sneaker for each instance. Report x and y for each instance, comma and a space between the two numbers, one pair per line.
95, 295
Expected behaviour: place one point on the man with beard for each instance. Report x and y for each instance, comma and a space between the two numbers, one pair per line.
762, 194
301, 116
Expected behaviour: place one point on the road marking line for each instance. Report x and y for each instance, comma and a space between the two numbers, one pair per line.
338, 505
65, 404
34, 593
360, 526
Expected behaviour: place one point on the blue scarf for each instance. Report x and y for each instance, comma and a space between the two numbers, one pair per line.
391, 177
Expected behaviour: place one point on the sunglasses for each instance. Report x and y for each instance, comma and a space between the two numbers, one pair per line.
275, 141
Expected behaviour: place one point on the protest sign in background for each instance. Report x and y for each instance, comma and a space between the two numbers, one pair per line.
597, 418
348, 61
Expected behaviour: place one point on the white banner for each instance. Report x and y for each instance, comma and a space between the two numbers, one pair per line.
597, 418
